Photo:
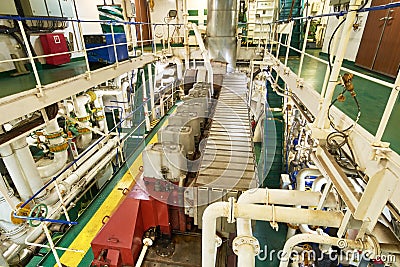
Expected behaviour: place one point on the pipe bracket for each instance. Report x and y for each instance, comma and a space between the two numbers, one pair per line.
245, 240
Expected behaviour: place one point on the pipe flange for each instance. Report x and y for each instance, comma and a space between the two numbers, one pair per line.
245, 240
20, 212
97, 109
59, 147
83, 119
54, 135
16, 233
92, 95
84, 131
100, 118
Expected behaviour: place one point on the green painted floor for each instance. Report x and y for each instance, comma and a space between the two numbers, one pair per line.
371, 96
13, 85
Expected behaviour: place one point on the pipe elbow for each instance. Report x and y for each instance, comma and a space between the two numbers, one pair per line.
49, 169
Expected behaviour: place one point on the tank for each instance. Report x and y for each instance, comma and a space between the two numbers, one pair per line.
179, 134
164, 161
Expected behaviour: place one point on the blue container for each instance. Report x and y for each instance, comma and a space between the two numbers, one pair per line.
106, 54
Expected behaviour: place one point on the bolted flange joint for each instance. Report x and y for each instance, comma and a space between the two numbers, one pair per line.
245, 240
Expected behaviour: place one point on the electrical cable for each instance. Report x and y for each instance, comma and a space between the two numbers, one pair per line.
330, 43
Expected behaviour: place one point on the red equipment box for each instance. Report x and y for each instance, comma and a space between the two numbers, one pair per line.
119, 242
54, 43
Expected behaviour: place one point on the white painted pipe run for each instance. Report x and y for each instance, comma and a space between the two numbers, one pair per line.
301, 176
14, 169
278, 197
258, 212
28, 165
87, 165
98, 103
301, 185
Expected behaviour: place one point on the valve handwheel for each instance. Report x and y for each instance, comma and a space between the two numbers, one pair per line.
39, 211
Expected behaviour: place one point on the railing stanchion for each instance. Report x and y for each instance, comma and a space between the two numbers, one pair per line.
30, 55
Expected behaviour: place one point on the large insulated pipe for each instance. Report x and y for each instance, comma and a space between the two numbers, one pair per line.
221, 31
28, 165
14, 169
85, 137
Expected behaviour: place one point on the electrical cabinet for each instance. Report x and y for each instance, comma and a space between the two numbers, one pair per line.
66, 8
34, 8
106, 54
8, 8
54, 43
53, 8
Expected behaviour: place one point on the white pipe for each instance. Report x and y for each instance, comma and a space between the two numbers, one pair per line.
5, 214
301, 185
301, 176
12, 250
318, 183
98, 103
60, 158
179, 70
206, 56
29, 168
14, 169
278, 197
80, 105
320, 239
80, 102
141, 256
258, 212
147, 242
87, 165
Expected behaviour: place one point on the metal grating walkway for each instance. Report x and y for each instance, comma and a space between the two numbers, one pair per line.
228, 159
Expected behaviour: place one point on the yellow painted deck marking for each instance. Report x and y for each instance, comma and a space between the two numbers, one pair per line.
82, 241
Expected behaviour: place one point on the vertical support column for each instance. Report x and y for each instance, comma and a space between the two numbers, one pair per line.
322, 121
145, 103
303, 50
114, 45
151, 84
251, 85
141, 37
388, 110
30, 55
288, 41
84, 49
334, 46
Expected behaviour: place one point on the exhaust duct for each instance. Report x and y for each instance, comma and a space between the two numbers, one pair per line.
222, 21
